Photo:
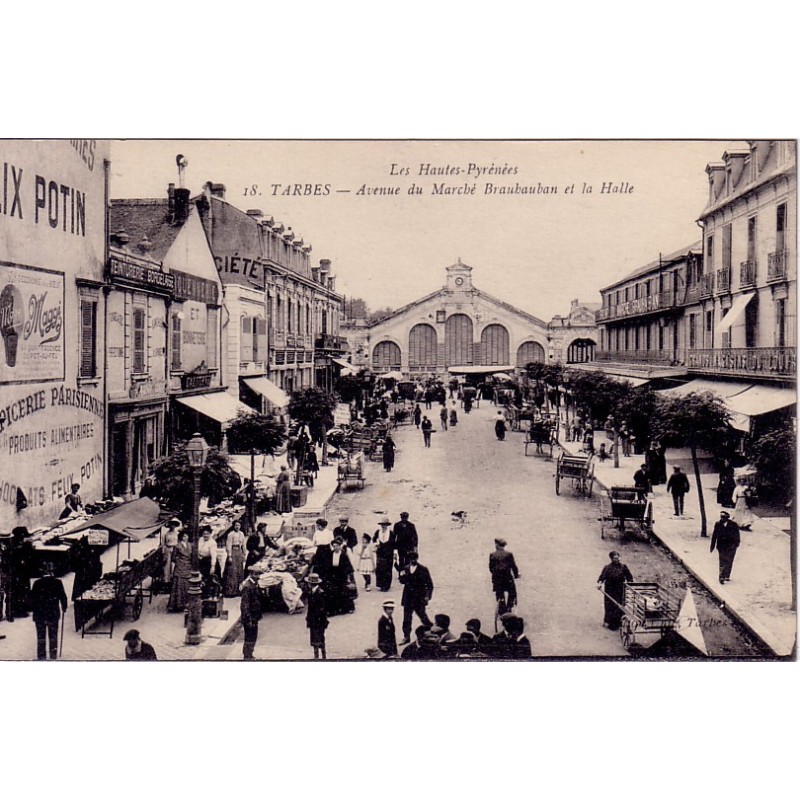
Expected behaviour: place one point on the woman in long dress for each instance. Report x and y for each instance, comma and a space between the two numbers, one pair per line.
500, 426
742, 515
612, 580
283, 491
234, 568
384, 540
340, 577
181, 572
388, 453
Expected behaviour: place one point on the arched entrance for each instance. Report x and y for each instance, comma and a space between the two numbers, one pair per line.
530, 352
385, 357
458, 340
422, 345
580, 351
494, 343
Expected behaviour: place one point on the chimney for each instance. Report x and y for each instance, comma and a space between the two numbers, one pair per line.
120, 238
216, 189
181, 206
716, 180
257, 213
171, 199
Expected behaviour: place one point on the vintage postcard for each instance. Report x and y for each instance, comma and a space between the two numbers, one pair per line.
432, 400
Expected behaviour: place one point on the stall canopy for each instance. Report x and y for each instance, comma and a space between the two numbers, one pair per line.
478, 370
395, 376
736, 310
628, 379
266, 388
134, 521
761, 400
723, 389
219, 406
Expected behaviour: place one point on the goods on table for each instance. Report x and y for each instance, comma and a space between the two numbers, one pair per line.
103, 590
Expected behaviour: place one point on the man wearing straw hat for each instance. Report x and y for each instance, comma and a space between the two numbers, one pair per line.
48, 602
387, 637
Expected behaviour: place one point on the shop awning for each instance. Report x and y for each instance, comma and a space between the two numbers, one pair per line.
736, 310
342, 363
761, 400
134, 521
477, 370
219, 406
723, 389
627, 379
266, 388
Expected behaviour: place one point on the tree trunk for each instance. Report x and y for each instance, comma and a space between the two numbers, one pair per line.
324, 446
615, 446
700, 498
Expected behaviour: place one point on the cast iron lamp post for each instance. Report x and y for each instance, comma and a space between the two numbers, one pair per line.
197, 451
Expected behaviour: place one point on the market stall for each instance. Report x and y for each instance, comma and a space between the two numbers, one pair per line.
282, 581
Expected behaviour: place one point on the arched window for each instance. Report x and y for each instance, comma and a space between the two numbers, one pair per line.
530, 352
386, 357
458, 340
494, 341
422, 343
581, 351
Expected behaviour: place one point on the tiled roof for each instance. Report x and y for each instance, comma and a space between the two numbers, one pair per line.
695, 247
144, 218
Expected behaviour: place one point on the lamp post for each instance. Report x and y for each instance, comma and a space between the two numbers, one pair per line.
197, 451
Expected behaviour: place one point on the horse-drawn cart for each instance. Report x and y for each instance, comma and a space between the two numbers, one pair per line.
541, 438
579, 469
627, 510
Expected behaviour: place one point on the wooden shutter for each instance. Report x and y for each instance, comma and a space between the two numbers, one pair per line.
212, 321
88, 339
246, 344
138, 340
260, 339
177, 356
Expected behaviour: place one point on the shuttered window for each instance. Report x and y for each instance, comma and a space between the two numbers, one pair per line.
139, 340
88, 367
212, 329
177, 356
259, 339
246, 344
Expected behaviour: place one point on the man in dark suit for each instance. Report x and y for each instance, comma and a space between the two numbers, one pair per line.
250, 608
503, 569
48, 603
387, 638
347, 533
726, 539
511, 643
417, 593
316, 616
484, 641
641, 480
405, 537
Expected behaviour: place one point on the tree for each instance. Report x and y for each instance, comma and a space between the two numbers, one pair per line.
773, 455
698, 420
348, 387
175, 486
635, 409
314, 407
249, 434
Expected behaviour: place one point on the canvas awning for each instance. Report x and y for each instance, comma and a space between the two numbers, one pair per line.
342, 363
627, 379
219, 406
266, 388
736, 310
761, 400
477, 370
723, 389
133, 521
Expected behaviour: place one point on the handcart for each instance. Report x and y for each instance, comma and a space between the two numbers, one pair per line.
628, 511
351, 472
648, 612
577, 468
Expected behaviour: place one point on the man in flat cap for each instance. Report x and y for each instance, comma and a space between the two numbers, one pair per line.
136, 649
346, 532
405, 539
504, 570
387, 637
417, 593
251, 611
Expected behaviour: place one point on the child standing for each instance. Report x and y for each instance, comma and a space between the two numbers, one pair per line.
366, 561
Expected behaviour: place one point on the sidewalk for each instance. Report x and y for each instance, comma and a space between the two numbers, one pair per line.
158, 627
760, 594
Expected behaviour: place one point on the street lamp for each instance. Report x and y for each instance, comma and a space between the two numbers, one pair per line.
197, 452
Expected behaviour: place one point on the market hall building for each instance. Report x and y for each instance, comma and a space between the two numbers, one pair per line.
52, 254
458, 328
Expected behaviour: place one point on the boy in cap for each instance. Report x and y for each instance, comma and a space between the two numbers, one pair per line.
316, 616
387, 637
136, 649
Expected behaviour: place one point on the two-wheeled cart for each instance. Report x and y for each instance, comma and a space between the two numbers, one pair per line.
648, 612
579, 469
351, 472
540, 439
626, 510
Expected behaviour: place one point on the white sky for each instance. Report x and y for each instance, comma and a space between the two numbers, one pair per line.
535, 251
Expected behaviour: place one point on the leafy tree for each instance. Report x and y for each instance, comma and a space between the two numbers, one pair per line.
379, 314
314, 407
174, 481
348, 387
773, 455
249, 434
697, 420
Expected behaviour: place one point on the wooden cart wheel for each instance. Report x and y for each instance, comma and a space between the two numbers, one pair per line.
138, 602
627, 632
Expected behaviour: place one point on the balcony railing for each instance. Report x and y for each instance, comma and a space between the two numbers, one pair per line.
633, 308
635, 357
776, 266
706, 285
755, 361
723, 280
325, 341
747, 274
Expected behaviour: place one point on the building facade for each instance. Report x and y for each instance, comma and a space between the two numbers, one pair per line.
52, 254
457, 326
